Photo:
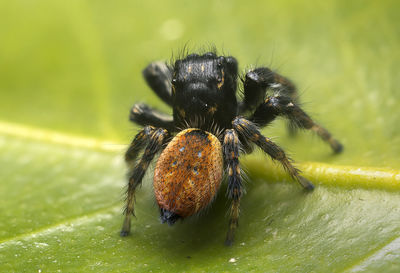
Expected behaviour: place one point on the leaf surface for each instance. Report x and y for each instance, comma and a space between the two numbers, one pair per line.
71, 70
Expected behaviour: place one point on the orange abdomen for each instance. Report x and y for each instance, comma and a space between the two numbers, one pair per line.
188, 172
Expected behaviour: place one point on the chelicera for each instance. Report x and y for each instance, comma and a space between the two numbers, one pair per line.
209, 129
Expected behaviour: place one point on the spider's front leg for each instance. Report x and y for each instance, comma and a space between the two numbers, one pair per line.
154, 138
235, 188
145, 115
250, 132
159, 76
256, 83
281, 105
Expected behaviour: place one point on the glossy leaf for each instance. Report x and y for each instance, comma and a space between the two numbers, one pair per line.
70, 71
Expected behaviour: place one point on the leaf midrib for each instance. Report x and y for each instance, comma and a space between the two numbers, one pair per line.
367, 177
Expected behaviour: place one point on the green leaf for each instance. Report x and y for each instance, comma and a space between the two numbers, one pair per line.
70, 71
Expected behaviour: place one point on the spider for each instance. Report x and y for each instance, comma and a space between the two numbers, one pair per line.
207, 132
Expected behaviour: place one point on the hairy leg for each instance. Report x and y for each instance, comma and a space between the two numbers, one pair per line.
155, 142
280, 105
158, 76
144, 115
235, 187
250, 131
258, 81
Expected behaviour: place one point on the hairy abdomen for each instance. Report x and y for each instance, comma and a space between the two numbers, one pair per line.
188, 172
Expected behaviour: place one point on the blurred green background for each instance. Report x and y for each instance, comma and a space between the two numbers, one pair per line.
74, 67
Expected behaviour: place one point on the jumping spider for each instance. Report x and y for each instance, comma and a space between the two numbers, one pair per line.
208, 130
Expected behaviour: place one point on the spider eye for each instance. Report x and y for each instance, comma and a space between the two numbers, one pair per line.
220, 61
173, 81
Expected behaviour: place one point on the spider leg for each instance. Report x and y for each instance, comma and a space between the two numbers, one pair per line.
256, 83
249, 130
144, 115
235, 188
280, 105
137, 144
155, 139
158, 76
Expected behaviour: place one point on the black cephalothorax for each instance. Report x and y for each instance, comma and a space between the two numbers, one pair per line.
201, 89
